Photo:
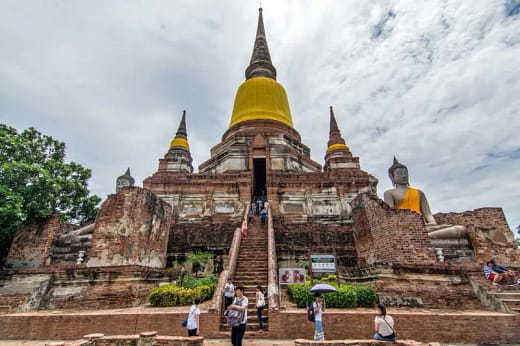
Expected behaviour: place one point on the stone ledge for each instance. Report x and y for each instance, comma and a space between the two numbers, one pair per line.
305, 342
144, 338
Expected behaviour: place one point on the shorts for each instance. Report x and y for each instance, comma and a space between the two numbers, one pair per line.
492, 276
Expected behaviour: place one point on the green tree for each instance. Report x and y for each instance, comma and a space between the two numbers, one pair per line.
198, 260
35, 181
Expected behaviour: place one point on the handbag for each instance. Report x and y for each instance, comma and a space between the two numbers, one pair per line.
235, 317
261, 301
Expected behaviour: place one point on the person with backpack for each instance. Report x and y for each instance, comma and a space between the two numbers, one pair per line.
318, 307
384, 325
260, 305
239, 304
263, 216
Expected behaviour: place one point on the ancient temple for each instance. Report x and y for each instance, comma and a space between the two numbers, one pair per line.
332, 208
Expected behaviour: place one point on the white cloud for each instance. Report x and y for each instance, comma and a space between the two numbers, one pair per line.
436, 83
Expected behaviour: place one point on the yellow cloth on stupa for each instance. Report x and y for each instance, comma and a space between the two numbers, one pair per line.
411, 200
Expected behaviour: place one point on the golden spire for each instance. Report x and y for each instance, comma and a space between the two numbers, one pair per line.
181, 137
335, 140
261, 97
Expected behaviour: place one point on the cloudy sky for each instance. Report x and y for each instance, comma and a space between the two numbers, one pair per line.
435, 82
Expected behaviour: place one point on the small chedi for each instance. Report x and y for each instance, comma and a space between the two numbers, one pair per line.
142, 235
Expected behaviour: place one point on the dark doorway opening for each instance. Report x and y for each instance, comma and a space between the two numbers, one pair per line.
259, 177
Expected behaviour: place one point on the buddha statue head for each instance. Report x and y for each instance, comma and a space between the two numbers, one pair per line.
398, 173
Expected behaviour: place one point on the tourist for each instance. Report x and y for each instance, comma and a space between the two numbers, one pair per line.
263, 216
229, 293
249, 216
193, 319
240, 303
492, 275
244, 228
260, 305
258, 206
508, 274
319, 308
384, 325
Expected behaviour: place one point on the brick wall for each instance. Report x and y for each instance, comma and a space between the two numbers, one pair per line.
387, 235
101, 287
441, 326
300, 240
185, 236
489, 234
131, 228
32, 243
435, 287
424, 326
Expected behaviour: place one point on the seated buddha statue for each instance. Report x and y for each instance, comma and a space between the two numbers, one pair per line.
403, 196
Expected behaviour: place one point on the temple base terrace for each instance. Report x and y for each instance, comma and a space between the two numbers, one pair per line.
422, 325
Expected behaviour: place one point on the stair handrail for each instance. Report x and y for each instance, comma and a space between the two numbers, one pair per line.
229, 268
273, 293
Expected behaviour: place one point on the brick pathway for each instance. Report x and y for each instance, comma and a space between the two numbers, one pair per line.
210, 342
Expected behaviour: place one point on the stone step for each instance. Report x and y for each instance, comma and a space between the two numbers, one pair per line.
246, 269
255, 276
251, 281
512, 303
250, 275
257, 268
506, 295
251, 334
251, 284
251, 266
253, 258
251, 327
251, 317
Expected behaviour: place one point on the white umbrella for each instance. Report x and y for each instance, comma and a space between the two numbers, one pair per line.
323, 288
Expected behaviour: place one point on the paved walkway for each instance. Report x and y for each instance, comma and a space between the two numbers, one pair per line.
210, 342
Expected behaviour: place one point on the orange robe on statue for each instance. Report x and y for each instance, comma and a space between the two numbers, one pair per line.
411, 200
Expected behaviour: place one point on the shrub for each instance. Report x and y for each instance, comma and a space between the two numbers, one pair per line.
173, 295
192, 282
366, 296
331, 278
347, 296
300, 294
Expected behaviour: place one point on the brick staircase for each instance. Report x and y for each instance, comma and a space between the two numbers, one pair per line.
509, 295
252, 271
502, 298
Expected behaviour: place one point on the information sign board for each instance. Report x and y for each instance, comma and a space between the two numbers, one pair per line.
323, 264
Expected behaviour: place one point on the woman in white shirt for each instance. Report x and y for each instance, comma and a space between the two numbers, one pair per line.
383, 325
193, 319
260, 305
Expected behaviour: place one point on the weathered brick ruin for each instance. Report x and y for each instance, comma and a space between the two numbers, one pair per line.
141, 234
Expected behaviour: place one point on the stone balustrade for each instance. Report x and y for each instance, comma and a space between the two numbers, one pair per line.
272, 288
229, 270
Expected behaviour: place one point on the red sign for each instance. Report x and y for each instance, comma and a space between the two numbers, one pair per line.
291, 275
